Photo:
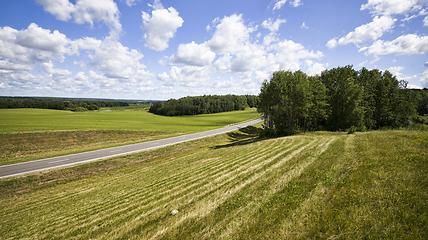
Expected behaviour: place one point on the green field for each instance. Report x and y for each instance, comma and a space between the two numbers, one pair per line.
370, 185
30, 120
29, 134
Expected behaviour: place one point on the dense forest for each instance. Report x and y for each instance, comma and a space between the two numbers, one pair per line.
339, 99
58, 104
203, 105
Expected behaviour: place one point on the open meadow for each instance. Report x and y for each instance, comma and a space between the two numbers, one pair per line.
29, 134
371, 185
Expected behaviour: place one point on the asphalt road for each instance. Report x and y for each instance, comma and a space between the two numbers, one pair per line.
48, 163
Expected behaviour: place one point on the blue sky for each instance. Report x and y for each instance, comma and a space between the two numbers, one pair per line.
160, 49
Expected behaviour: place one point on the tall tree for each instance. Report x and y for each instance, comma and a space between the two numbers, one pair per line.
289, 104
344, 98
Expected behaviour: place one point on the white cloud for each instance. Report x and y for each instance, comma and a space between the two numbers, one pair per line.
370, 31
21, 50
236, 53
289, 54
130, 3
160, 27
271, 25
48, 67
332, 43
424, 79
411, 86
62, 9
6, 65
193, 54
405, 44
280, 3
224, 84
253, 57
304, 26
396, 71
222, 64
390, 7
35, 37
296, 3
426, 21
230, 36
315, 69
188, 76
86, 11
24, 50
118, 61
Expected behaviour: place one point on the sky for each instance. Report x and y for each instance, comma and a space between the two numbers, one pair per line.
162, 49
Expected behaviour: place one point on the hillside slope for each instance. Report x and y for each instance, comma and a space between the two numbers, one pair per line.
328, 185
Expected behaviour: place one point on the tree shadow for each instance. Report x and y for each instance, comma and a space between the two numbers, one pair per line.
243, 136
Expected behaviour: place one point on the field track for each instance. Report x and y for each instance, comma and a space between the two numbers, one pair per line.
137, 203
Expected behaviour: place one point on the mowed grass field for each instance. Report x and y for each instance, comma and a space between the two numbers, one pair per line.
370, 185
30, 134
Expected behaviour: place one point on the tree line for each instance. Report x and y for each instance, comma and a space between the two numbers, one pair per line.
203, 105
337, 100
58, 104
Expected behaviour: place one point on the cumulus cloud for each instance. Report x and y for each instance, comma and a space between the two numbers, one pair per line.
370, 31
231, 51
314, 68
254, 57
49, 68
22, 50
160, 27
273, 26
36, 37
396, 71
280, 3
193, 54
405, 44
188, 76
25, 50
424, 79
290, 54
230, 36
86, 11
390, 7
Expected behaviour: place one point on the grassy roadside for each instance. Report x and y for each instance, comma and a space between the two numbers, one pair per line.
93, 130
318, 185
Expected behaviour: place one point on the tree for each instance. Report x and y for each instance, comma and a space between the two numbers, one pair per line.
289, 104
344, 98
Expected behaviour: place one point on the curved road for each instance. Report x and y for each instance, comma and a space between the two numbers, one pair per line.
48, 163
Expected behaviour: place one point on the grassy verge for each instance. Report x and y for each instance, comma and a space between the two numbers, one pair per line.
324, 185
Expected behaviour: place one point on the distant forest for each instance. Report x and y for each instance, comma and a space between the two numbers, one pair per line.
203, 105
58, 104
339, 99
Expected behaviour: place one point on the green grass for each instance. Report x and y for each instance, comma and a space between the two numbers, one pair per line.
323, 185
30, 120
30, 134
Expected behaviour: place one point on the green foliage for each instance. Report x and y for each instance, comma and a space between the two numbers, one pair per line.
291, 102
58, 104
202, 105
344, 98
339, 99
